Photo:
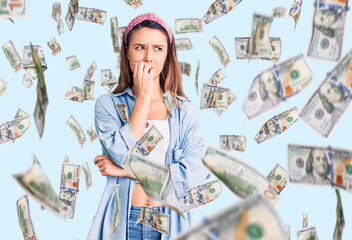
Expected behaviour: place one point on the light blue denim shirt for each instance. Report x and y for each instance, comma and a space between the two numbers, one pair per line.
183, 157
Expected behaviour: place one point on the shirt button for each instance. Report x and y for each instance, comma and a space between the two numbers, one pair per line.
170, 154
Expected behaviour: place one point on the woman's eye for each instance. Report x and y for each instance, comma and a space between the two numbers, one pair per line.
158, 49
139, 47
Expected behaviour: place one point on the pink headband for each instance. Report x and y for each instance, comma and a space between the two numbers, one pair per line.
147, 16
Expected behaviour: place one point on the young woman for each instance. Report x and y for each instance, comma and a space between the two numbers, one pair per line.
148, 69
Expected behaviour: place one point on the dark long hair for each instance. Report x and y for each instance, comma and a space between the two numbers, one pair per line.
170, 77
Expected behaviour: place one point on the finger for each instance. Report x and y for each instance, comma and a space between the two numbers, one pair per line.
151, 73
140, 68
101, 163
99, 158
146, 71
102, 168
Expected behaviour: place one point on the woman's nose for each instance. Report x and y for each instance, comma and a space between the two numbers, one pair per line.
148, 55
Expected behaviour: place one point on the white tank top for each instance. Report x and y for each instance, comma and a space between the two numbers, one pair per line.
158, 154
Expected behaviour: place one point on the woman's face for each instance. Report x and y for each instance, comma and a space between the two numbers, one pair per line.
331, 92
148, 45
319, 162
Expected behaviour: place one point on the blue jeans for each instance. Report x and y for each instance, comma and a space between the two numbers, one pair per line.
141, 231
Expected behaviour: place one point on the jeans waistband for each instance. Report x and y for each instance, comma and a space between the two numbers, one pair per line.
138, 208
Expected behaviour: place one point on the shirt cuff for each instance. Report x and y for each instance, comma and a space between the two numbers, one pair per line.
128, 136
176, 179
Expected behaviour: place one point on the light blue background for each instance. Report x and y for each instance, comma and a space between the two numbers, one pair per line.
90, 42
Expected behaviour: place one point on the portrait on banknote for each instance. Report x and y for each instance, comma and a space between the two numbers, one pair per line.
317, 168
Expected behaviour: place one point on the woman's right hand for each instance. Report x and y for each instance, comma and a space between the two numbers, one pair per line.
107, 167
143, 74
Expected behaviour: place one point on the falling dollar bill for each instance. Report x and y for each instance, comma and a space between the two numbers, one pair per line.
71, 14
76, 128
328, 30
91, 15
155, 219
24, 218
188, 25
143, 146
56, 12
69, 188
214, 97
74, 94
121, 31
220, 51
169, 102
115, 222
279, 12
183, 44
219, 8
242, 179
54, 46
201, 195
134, 3
274, 85
108, 80
72, 62
295, 10
331, 99
114, 34
155, 180
217, 77
28, 60
320, 166
12, 56
122, 108
259, 45
253, 218
233, 142
277, 124
37, 185
308, 233
42, 96
16, 128
3, 85
60, 27
27, 81
230, 98
305, 220
88, 87
185, 68
87, 174
90, 71
196, 77
14, 9
242, 49
92, 134
288, 232
340, 219
278, 178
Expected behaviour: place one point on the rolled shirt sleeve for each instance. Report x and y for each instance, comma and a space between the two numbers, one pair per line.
188, 171
116, 137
